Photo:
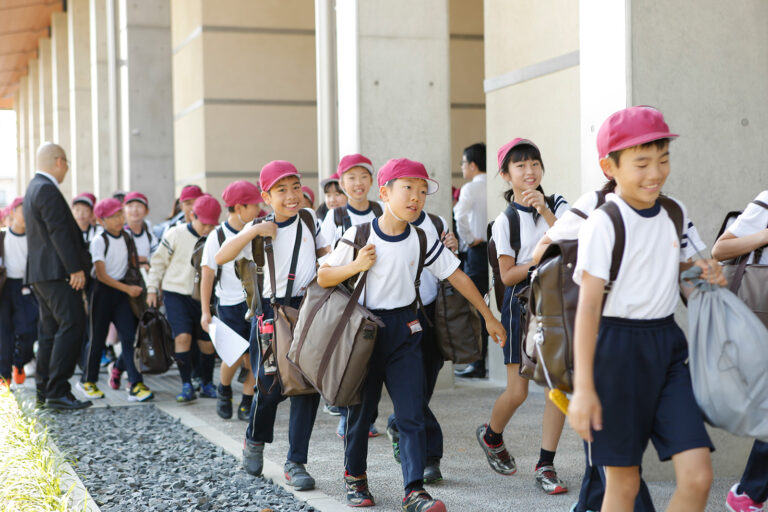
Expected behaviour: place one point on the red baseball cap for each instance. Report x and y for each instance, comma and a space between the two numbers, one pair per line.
404, 168
136, 196
509, 146
85, 198
308, 193
274, 171
190, 192
207, 209
241, 192
107, 207
356, 160
629, 127
333, 178
16, 202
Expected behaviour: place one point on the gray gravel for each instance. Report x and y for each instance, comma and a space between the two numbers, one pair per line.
139, 458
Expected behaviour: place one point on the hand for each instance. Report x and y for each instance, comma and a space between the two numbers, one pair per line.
77, 280
535, 199
366, 257
476, 242
133, 290
205, 319
450, 241
152, 300
265, 229
496, 331
711, 271
585, 413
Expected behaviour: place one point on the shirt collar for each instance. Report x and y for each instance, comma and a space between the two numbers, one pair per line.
50, 177
480, 177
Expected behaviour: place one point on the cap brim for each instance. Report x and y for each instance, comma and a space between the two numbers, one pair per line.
282, 176
368, 167
326, 181
641, 139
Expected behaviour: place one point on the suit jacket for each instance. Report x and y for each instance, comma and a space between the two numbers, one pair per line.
55, 243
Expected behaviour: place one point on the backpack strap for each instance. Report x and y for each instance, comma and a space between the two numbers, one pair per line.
376, 209
675, 214
438, 223
268, 249
341, 218
221, 237
514, 227
551, 202
309, 221
613, 212
106, 242
422, 257
2, 247
133, 254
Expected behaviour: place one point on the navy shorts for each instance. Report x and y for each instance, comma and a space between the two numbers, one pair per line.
511, 311
183, 313
644, 386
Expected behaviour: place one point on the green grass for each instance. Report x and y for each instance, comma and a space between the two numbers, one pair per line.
31, 471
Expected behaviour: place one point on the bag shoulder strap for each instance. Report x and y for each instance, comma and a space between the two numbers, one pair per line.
514, 227
613, 212
376, 208
221, 237
438, 222
675, 214
422, 258
269, 250
341, 218
309, 222
2, 247
106, 242
133, 254
551, 202
600, 202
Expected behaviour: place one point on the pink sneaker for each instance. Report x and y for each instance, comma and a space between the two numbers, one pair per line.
741, 502
114, 377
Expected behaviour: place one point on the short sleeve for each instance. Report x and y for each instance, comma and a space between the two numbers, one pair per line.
440, 261
561, 206
328, 229
753, 219
343, 254
569, 222
320, 239
209, 251
500, 233
596, 240
97, 249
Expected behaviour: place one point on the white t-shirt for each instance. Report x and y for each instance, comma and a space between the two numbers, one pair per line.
116, 260
647, 284
229, 290
753, 219
332, 233
531, 231
15, 254
283, 245
145, 242
429, 283
390, 283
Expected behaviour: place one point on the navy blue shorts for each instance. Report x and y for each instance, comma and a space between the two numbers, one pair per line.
644, 386
183, 313
511, 311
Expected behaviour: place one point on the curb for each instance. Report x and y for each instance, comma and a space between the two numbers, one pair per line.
273, 471
80, 499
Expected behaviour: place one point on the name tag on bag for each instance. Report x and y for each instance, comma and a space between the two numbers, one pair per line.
415, 326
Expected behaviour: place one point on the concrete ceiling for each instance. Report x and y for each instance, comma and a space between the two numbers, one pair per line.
22, 24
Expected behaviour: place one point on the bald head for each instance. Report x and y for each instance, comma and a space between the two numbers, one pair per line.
52, 159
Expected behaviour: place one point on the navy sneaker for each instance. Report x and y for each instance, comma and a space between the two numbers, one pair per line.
187, 393
253, 457
296, 476
244, 410
358, 494
421, 501
208, 391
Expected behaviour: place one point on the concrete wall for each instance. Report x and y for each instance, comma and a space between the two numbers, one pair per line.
244, 89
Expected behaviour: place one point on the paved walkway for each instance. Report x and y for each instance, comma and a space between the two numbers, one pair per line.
469, 485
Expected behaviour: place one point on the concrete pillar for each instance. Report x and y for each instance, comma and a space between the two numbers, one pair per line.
325, 50
384, 114
81, 125
113, 90
46, 95
104, 176
146, 111
60, 90
21, 160
33, 113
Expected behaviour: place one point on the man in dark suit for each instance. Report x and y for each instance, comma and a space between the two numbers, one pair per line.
56, 268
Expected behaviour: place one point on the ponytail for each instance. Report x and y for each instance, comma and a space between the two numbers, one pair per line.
609, 187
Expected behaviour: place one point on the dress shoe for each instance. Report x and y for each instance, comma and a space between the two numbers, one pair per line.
67, 402
472, 371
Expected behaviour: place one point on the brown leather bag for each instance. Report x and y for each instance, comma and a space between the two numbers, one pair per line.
750, 282
335, 364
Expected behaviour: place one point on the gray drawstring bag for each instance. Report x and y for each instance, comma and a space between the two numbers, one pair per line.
728, 347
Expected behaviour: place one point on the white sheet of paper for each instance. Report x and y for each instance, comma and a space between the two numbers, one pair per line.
229, 345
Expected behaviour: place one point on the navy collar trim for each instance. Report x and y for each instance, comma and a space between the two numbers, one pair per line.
229, 227
110, 235
421, 218
527, 209
136, 235
360, 212
192, 230
11, 231
648, 212
387, 238
286, 223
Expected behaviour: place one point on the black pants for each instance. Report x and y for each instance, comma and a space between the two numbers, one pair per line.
754, 482
476, 267
18, 326
62, 320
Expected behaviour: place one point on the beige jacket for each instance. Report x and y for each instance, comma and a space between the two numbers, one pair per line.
170, 264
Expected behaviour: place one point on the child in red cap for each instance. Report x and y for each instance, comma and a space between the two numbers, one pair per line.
333, 195
631, 381
82, 211
308, 198
296, 242
242, 199
136, 209
170, 270
109, 302
391, 259
18, 307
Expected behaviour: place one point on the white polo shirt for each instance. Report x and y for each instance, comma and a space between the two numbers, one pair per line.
15, 254
229, 290
116, 258
753, 219
332, 233
429, 283
531, 230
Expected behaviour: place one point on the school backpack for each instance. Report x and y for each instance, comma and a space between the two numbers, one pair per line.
546, 334
727, 359
3, 269
748, 282
196, 261
458, 330
153, 347
133, 275
341, 215
513, 217
336, 364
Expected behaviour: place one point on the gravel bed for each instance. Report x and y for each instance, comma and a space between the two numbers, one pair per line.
139, 458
